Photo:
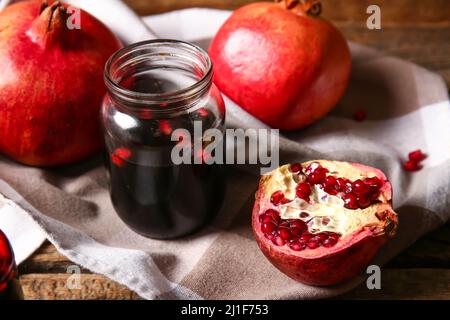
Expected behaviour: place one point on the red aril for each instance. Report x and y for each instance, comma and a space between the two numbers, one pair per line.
281, 62
51, 83
333, 236
412, 165
416, 155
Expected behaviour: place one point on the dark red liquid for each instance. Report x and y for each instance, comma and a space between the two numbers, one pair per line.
166, 202
9, 285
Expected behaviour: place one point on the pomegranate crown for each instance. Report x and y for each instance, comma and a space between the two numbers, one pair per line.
309, 7
50, 24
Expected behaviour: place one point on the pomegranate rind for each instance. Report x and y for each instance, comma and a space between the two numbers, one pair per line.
329, 266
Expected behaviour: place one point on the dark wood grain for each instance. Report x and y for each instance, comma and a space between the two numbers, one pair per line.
392, 11
416, 30
426, 45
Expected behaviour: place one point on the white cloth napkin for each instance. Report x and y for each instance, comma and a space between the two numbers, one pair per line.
418, 117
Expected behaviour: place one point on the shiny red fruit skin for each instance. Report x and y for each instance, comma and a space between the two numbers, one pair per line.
51, 93
286, 69
323, 267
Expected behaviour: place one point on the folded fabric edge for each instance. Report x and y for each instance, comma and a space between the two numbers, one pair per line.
137, 283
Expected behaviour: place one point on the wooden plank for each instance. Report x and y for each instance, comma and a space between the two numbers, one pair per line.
54, 286
407, 284
392, 11
425, 45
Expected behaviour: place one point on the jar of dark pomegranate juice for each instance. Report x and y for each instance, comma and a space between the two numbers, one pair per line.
161, 95
9, 283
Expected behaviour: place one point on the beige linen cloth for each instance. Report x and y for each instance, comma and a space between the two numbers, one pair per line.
407, 107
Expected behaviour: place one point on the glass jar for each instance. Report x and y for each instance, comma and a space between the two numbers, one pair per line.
9, 283
154, 88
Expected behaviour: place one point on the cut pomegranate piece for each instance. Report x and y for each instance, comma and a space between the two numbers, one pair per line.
336, 233
416, 155
415, 158
412, 165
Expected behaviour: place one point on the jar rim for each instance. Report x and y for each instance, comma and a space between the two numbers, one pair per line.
136, 97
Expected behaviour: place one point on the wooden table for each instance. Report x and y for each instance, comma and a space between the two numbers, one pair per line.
415, 30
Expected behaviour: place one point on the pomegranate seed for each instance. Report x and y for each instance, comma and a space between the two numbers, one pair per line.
374, 196
284, 234
313, 244
302, 196
363, 201
123, 153
312, 167
268, 227
278, 241
261, 217
284, 224
305, 237
333, 236
203, 112
350, 201
360, 187
269, 236
267, 218
329, 242
295, 167
348, 187
304, 187
304, 215
330, 182
299, 224
117, 160
332, 192
411, 165
341, 183
416, 155
277, 197
373, 182
296, 232
296, 246
317, 177
274, 214
165, 127
330, 185
303, 191
325, 221
320, 237
360, 115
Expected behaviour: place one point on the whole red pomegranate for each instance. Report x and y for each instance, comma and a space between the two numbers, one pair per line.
281, 62
322, 222
51, 83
